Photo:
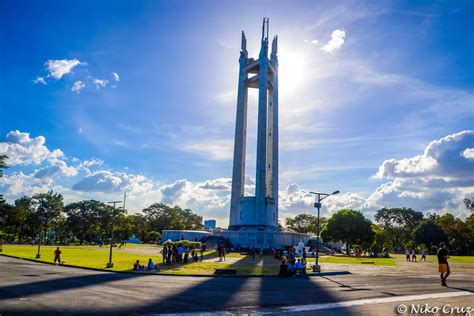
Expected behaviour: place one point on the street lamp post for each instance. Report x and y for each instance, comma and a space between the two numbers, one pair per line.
320, 197
110, 264
38, 255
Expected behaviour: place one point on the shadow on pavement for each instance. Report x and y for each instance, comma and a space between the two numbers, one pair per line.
208, 294
70, 283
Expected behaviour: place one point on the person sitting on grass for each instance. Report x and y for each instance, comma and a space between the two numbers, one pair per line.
151, 265
299, 264
137, 266
292, 269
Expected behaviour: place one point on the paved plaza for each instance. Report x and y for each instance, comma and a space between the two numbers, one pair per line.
27, 287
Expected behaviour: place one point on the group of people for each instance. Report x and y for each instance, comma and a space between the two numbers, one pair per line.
150, 266
182, 254
290, 265
411, 255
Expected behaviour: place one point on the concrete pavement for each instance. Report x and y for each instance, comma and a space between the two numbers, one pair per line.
33, 288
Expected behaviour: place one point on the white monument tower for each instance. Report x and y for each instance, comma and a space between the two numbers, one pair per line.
259, 212
254, 219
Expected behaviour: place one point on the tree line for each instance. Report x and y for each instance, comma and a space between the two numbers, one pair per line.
45, 217
395, 229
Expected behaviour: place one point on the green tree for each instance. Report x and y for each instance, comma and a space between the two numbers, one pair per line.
153, 236
124, 226
84, 219
349, 227
305, 223
457, 233
381, 238
399, 224
470, 232
140, 226
48, 208
160, 216
3, 165
7, 211
429, 233
19, 220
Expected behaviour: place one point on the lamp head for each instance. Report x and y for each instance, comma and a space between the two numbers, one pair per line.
335, 192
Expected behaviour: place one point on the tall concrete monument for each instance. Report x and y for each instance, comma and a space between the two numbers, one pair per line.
254, 219
258, 212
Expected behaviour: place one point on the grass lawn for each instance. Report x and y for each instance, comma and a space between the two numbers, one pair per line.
97, 257
83, 256
352, 260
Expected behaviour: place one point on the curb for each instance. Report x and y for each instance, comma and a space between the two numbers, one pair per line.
182, 275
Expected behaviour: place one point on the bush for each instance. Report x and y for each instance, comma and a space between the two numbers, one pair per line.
184, 243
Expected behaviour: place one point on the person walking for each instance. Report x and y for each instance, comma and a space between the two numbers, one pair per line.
423, 255
413, 255
407, 252
57, 255
443, 269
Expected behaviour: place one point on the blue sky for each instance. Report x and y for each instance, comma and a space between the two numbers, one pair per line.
376, 100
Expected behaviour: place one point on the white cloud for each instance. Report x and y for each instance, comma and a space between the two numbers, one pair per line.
441, 159
58, 68
437, 180
336, 41
92, 162
468, 153
107, 181
116, 76
100, 83
56, 168
18, 184
78, 86
40, 80
221, 149
23, 150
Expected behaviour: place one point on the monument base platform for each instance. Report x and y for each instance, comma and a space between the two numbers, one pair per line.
248, 238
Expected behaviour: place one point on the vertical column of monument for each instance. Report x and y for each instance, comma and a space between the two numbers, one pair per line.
238, 170
275, 145
260, 185
269, 166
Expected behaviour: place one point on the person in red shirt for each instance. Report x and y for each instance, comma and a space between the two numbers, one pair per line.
57, 255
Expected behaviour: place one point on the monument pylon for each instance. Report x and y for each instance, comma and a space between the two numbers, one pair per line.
260, 211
